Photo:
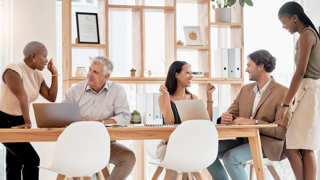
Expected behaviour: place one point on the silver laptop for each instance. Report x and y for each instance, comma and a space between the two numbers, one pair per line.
56, 114
192, 110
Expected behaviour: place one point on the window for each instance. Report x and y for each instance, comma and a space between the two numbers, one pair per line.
265, 32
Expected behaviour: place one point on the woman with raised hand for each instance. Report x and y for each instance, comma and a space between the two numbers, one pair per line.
179, 78
21, 84
303, 133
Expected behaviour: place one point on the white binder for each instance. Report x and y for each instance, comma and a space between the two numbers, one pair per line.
224, 62
231, 63
220, 65
237, 55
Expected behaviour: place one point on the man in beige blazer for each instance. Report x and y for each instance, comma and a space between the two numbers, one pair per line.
256, 103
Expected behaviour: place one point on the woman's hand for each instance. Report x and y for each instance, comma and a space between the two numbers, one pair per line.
163, 89
52, 68
23, 126
281, 115
210, 88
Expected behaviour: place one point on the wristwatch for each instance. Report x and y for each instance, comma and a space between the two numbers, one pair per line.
104, 123
256, 121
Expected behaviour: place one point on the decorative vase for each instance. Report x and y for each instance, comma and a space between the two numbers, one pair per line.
222, 14
81, 72
133, 73
135, 118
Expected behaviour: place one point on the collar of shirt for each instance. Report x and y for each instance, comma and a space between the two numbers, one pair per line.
106, 87
262, 89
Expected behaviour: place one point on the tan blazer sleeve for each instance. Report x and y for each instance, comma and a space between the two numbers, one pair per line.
280, 131
235, 105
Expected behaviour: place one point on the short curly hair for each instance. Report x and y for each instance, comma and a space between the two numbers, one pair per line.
263, 57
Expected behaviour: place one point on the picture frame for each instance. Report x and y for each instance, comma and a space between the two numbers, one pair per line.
192, 35
87, 28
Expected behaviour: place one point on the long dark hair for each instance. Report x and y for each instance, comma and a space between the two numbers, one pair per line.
291, 8
171, 81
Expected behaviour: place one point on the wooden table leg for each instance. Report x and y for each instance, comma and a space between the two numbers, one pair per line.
256, 151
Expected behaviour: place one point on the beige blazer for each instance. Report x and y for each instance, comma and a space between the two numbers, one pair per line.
272, 139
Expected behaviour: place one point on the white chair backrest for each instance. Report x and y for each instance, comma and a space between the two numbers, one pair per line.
82, 149
192, 146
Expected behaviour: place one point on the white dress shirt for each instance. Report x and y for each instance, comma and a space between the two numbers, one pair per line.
258, 96
109, 103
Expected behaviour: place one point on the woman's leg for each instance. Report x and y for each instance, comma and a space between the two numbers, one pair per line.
309, 164
13, 166
25, 157
295, 160
21, 158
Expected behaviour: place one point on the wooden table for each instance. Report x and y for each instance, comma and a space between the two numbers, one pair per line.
144, 133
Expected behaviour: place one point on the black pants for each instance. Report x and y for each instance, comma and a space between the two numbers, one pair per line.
20, 157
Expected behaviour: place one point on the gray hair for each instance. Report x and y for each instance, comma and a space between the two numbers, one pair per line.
107, 64
33, 47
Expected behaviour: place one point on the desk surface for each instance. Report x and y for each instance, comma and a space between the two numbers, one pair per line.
142, 133
125, 133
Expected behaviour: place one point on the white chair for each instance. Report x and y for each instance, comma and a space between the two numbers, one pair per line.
82, 150
192, 146
269, 165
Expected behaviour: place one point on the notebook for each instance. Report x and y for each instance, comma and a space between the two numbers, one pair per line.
192, 110
49, 115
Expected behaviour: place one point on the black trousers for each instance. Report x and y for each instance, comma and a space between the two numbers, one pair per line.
21, 158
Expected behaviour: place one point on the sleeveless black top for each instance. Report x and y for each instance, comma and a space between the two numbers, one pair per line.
176, 116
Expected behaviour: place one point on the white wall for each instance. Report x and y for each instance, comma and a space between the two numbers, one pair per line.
312, 10
25, 21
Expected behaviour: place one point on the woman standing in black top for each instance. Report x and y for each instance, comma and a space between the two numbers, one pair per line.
179, 78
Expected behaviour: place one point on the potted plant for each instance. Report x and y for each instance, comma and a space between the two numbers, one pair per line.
223, 13
133, 72
135, 117
180, 43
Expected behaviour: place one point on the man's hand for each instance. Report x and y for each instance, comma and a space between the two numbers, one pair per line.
226, 118
89, 119
23, 126
243, 121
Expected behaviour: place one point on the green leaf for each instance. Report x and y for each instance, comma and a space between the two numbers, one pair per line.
212, 0
231, 2
241, 2
249, 2
213, 6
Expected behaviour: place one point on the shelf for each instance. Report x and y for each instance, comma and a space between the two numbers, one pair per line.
192, 1
145, 8
226, 25
89, 46
161, 80
192, 47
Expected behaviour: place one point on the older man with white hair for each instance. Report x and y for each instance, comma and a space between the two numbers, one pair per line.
102, 100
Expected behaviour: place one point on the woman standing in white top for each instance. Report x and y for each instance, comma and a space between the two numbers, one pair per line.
21, 84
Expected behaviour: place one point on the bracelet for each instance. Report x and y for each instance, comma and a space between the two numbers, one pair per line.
55, 74
285, 105
210, 101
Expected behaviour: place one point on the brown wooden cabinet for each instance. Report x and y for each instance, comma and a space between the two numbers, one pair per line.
139, 50
138, 12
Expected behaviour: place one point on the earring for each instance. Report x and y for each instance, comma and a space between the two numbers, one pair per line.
34, 60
